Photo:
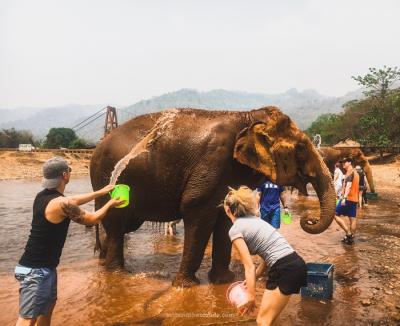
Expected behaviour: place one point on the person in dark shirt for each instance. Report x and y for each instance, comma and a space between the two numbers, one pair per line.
52, 213
362, 187
268, 198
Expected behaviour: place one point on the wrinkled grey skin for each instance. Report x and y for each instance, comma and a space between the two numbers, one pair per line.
186, 173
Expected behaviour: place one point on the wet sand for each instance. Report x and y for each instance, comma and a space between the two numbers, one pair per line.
366, 280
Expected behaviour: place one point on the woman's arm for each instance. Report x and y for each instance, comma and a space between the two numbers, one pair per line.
261, 268
250, 272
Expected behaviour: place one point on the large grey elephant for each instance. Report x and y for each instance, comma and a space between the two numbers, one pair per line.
184, 169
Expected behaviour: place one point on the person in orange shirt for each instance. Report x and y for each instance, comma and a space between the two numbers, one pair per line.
347, 205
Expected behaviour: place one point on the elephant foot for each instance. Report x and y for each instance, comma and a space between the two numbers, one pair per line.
103, 254
221, 276
113, 264
185, 281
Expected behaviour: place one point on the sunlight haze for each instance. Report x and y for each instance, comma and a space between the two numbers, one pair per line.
91, 52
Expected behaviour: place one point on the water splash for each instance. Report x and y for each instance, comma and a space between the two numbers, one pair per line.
142, 146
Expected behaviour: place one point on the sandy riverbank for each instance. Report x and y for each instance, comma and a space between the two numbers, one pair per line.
28, 165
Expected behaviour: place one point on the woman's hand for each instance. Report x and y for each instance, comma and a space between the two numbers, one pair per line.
116, 202
248, 307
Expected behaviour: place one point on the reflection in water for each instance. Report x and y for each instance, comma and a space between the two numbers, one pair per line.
90, 295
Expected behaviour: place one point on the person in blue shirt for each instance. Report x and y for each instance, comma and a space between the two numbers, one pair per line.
269, 196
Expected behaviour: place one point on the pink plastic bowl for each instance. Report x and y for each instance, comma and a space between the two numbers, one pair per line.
237, 294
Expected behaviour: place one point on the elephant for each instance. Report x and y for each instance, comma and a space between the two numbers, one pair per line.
184, 170
332, 155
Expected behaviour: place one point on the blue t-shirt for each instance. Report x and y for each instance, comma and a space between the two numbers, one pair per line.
270, 196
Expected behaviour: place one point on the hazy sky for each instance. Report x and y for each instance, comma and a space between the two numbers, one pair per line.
118, 52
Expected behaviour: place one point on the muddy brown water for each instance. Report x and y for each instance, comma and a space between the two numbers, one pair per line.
366, 279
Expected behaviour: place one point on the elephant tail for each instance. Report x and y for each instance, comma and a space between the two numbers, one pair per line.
97, 246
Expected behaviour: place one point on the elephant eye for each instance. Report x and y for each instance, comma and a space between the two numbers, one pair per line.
239, 147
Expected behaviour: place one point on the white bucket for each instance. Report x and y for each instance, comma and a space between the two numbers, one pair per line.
237, 294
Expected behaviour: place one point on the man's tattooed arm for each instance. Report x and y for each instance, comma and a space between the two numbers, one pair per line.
73, 212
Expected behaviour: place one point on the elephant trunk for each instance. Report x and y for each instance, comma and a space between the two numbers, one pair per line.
368, 173
323, 186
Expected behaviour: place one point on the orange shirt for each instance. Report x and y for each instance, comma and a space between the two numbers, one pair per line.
354, 178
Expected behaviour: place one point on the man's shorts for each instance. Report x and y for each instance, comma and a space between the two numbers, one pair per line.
37, 291
288, 273
272, 217
349, 209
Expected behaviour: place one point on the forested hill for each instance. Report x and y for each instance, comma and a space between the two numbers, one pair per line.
303, 107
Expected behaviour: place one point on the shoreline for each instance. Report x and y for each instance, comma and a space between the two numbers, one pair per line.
16, 165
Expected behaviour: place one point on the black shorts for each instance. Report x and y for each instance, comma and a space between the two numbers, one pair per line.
288, 273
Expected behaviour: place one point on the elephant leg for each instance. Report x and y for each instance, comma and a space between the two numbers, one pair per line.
114, 255
197, 233
103, 250
221, 252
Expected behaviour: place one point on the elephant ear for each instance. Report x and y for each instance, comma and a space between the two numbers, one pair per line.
253, 148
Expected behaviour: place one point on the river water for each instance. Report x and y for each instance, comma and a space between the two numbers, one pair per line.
366, 279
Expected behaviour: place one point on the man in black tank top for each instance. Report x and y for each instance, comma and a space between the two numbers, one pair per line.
52, 213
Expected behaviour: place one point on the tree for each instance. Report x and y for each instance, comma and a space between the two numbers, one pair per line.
378, 81
327, 125
60, 137
11, 138
78, 143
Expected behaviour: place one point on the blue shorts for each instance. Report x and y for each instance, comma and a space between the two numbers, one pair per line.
272, 217
349, 209
37, 290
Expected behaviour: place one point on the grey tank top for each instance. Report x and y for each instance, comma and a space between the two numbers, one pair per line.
261, 238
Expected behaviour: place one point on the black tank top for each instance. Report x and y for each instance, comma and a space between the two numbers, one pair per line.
46, 239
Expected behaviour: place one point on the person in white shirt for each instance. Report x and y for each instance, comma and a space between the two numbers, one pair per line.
338, 179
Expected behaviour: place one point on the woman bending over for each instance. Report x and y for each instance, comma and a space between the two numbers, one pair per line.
252, 236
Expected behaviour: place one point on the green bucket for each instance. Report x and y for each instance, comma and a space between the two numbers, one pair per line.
122, 192
286, 218
371, 195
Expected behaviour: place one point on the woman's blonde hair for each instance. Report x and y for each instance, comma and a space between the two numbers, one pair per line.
241, 202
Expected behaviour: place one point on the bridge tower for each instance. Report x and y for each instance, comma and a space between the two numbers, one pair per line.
111, 120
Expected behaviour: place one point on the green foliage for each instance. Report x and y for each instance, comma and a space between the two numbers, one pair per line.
11, 138
60, 137
79, 143
368, 121
326, 125
378, 81
64, 137
373, 121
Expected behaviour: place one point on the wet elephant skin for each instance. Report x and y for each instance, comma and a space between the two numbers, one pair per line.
186, 171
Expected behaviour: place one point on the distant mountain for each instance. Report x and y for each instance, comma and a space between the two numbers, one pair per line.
303, 107
39, 121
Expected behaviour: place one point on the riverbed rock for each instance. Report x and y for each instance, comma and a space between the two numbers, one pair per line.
366, 302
